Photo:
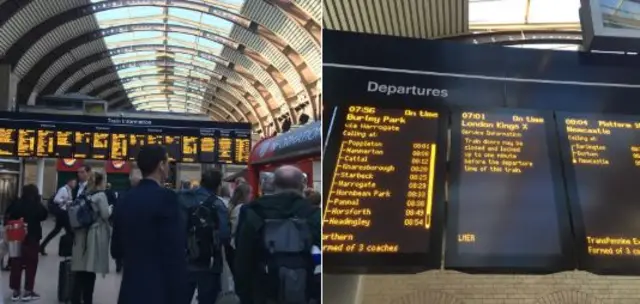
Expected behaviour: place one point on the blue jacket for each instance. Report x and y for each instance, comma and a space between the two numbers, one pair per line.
149, 237
191, 198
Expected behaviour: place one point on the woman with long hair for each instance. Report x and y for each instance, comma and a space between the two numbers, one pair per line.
91, 246
241, 195
28, 207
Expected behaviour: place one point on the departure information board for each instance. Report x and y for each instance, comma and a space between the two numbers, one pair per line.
87, 137
385, 190
7, 142
507, 205
601, 155
46, 143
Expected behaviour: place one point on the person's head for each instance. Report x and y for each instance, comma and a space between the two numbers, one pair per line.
224, 191
83, 173
134, 177
211, 180
97, 181
314, 198
240, 195
72, 183
267, 186
289, 178
30, 194
153, 162
108, 185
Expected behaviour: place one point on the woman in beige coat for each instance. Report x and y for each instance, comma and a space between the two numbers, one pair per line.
91, 246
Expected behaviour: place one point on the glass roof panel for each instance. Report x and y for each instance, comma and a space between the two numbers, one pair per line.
514, 12
173, 16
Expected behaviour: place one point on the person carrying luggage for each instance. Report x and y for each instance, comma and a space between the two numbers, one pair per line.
89, 216
207, 230
58, 207
29, 208
273, 259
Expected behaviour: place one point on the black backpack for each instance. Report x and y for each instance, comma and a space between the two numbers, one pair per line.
288, 262
203, 240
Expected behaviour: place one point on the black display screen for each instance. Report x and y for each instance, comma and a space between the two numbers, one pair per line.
136, 141
46, 143
601, 156
7, 142
82, 143
208, 149
64, 144
174, 147
100, 145
507, 204
384, 198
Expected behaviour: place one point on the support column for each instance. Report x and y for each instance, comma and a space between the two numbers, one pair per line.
40, 175
341, 289
8, 88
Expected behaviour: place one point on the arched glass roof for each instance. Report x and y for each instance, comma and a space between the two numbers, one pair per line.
242, 60
540, 21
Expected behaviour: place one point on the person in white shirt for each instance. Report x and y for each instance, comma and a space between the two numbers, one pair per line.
58, 207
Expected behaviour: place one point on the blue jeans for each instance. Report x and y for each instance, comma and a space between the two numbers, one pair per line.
208, 285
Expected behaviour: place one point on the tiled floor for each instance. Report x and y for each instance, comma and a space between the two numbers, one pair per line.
107, 287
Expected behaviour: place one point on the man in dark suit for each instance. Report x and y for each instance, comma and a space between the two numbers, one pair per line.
83, 177
149, 236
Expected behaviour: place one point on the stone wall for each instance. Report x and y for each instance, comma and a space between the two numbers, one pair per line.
450, 287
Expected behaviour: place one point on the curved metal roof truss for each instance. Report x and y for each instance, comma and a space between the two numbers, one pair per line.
44, 37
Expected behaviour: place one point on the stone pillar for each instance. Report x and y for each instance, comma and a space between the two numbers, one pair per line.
341, 289
40, 174
8, 88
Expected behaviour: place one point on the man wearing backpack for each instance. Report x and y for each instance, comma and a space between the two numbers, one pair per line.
208, 229
274, 244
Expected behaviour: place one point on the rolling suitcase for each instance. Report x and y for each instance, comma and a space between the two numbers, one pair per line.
65, 281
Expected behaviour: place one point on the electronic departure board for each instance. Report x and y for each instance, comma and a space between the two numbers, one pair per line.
382, 209
601, 156
93, 137
225, 150
46, 143
7, 142
507, 205
64, 144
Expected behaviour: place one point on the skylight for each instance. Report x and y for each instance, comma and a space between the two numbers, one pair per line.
167, 73
518, 12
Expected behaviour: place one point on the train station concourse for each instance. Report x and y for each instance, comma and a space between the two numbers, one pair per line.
232, 85
494, 147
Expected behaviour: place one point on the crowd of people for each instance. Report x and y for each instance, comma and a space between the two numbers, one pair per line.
169, 243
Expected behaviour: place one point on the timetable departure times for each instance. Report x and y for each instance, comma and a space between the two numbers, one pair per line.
7, 142
100, 147
136, 141
504, 211
119, 147
26, 142
242, 150
380, 199
225, 149
189, 149
46, 143
208, 149
602, 159
64, 144
82, 144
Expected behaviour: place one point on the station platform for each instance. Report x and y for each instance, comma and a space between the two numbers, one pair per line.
107, 287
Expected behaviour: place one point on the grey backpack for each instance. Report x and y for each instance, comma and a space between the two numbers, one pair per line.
288, 262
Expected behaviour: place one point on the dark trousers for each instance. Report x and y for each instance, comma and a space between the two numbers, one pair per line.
28, 259
62, 221
208, 285
83, 286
